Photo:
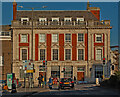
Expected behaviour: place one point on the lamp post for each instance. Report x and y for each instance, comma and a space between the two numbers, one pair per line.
32, 8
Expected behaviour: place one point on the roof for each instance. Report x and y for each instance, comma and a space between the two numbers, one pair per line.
5, 27
56, 13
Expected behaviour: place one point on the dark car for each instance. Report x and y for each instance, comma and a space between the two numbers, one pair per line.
66, 82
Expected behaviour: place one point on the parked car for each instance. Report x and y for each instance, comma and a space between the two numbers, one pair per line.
66, 82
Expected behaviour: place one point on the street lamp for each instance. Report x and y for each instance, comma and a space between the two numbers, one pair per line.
32, 8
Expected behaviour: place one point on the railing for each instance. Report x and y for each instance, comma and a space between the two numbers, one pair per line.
57, 23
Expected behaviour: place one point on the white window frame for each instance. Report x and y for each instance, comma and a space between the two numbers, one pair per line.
1, 60
22, 40
45, 53
22, 19
80, 19
70, 37
21, 53
99, 58
65, 19
96, 35
42, 38
53, 37
57, 19
83, 54
52, 53
83, 37
65, 54
42, 19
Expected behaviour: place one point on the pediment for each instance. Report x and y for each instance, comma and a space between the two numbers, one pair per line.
80, 45
42, 45
55, 45
68, 45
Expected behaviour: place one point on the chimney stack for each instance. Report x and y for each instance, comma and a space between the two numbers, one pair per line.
94, 10
14, 10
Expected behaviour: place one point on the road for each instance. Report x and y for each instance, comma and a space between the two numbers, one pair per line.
79, 90
85, 89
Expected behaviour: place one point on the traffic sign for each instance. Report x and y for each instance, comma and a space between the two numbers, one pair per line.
29, 71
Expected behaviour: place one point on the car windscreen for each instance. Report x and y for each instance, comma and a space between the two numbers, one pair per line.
66, 80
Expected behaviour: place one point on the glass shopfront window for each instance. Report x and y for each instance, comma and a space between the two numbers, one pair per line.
55, 71
68, 72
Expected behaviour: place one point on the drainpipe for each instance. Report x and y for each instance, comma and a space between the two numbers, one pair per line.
87, 51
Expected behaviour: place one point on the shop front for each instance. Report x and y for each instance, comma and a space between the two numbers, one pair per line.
80, 73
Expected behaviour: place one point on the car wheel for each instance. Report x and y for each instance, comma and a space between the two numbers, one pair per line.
50, 87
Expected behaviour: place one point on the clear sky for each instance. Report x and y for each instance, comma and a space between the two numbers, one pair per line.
108, 11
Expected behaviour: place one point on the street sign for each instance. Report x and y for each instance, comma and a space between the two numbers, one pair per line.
9, 80
29, 71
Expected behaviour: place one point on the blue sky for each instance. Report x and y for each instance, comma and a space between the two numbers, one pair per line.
109, 11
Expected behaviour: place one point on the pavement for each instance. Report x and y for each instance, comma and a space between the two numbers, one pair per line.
82, 89
22, 92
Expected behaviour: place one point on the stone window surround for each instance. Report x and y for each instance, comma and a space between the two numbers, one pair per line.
1, 60
24, 19
39, 54
96, 52
57, 18
42, 19
52, 54
21, 52
67, 18
57, 37
21, 38
65, 55
65, 37
96, 38
80, 19
45, 37
83, 37
83, 54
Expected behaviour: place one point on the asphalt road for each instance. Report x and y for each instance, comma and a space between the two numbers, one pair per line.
85, 89
79, 90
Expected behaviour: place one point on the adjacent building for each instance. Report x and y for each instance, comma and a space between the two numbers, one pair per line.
74, 40
114, 61
5, 51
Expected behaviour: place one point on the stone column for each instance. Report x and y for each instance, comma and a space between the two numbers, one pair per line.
75, 71
36, 74
48, 73
61, 73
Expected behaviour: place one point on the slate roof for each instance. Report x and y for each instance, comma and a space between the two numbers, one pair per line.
56, 13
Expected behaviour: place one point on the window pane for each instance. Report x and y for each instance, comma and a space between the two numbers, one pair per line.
54, 37
67, 37
68, 54
24, 54
98, 38
55, 54
80, 54
80, 37
42, 37
98, 54
42, 54
24, 38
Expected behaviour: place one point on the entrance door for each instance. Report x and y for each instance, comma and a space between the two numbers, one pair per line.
80, 76
42, 74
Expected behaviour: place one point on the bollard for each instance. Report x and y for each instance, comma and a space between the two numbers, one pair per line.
97, 81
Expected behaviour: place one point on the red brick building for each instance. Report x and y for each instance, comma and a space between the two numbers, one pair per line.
75, 40
5, 51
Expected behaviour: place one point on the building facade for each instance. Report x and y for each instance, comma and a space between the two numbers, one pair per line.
72, 40
5, 51
114, 61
